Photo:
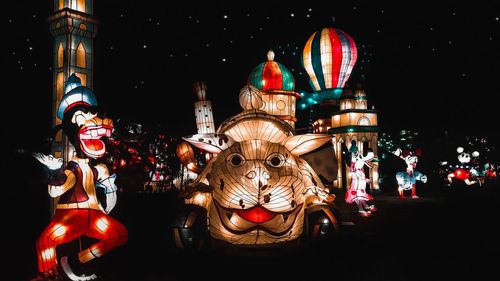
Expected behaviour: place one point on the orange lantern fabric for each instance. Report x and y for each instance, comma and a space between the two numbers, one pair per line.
186, 156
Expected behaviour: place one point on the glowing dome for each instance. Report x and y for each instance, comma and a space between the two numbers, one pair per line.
251, 98
271, 76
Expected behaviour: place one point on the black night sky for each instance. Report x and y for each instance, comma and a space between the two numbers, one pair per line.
425, 65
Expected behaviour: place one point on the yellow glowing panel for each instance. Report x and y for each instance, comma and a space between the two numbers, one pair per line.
348, 105
308, 62
326, 57
82, 77
60, 56
59, 85
61, 4
81, 5
81, 60
59, 94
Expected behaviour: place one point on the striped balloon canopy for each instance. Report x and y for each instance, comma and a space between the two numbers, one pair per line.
329, 57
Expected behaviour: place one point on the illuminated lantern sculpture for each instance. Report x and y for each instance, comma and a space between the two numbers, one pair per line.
477, 164
490, 171
78, 211
203, 109
465, 170
407, 180
277, 86
256, 190
356, 193
328, 58
205, 127
187, 157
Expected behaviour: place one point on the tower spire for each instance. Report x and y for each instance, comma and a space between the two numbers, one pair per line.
73, 27
203, 109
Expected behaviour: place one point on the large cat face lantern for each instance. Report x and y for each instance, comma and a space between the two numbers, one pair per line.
259, 186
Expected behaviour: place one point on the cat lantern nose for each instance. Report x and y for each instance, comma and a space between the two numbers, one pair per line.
259, 175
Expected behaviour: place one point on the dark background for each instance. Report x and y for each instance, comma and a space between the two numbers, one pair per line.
426, 64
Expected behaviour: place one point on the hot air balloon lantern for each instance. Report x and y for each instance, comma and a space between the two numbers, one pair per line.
328, 58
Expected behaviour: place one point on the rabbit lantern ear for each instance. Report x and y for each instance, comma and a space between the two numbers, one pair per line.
406, 153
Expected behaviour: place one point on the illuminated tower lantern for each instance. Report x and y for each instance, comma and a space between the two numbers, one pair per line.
203, 110
73, 28
277, 85
355, 122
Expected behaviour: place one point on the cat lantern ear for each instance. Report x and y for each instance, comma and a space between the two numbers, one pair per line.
302, 144
212, 143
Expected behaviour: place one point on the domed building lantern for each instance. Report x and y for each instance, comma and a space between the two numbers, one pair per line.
328, 58
277, 86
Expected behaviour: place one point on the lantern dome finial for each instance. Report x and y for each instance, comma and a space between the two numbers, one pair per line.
200, 89
270, 55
